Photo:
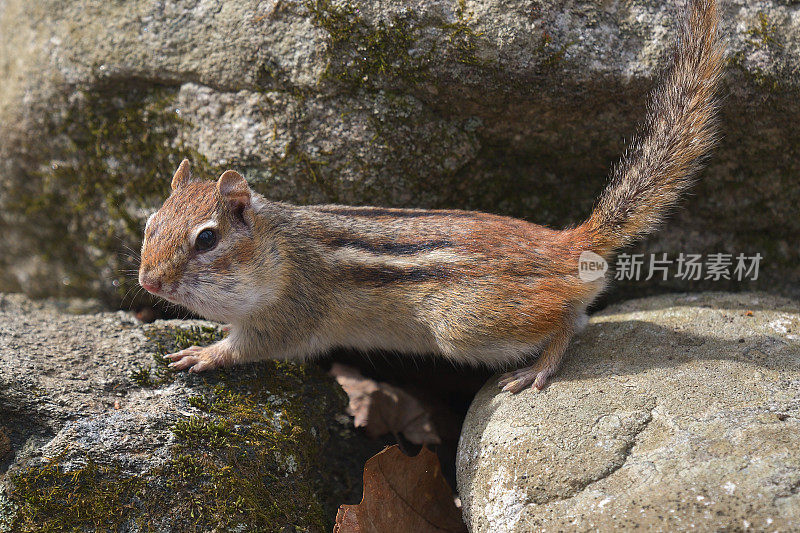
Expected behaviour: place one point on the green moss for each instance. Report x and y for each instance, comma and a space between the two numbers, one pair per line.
114, 153
141, 376
771, 82
213, 433
392, 52
552, 54
398, 52
763, 33
196, 336
251, 458
364, 55
169, 341
462, 39
243, 454
256, 439
51, 498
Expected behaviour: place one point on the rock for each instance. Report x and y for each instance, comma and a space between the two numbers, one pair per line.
510, 107
671, 413
104, 437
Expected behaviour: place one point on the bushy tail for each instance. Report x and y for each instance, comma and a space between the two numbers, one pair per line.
677, 134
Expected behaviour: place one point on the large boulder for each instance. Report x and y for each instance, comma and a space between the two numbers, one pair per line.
97, 434
671, 413
510, 107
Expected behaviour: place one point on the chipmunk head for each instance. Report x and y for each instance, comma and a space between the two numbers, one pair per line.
199, 248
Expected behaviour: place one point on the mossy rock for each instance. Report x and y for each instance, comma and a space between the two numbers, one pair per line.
112, 148
515, 108
260, 447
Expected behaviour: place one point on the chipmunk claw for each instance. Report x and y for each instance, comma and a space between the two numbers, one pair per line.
195, 359
520, 379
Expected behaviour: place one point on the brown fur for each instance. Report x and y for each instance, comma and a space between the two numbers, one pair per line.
678, 133
473, 287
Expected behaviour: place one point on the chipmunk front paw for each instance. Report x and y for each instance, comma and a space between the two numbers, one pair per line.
198, 358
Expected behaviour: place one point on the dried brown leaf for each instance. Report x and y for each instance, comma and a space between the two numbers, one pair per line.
382, 408
402, 493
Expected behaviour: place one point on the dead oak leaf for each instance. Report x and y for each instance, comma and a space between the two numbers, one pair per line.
402, 493
382, 408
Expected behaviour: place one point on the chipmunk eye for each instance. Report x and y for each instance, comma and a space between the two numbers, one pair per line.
205, 240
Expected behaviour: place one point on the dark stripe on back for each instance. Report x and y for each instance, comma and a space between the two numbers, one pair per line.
385, 275
374, 212
391, 248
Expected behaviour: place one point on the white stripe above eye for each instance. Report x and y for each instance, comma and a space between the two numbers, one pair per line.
209, 224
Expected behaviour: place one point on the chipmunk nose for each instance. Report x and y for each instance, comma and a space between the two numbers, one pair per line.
150, 283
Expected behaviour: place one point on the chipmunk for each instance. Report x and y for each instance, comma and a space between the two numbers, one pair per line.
475, 288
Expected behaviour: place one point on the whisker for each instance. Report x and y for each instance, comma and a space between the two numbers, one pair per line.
129, 252
136, 294
132, 259
122, 300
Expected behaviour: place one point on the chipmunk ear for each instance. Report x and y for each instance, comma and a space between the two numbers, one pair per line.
183, 175
233, 188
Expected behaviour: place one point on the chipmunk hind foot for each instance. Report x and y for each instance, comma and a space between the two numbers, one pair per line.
518, 380
540, 371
